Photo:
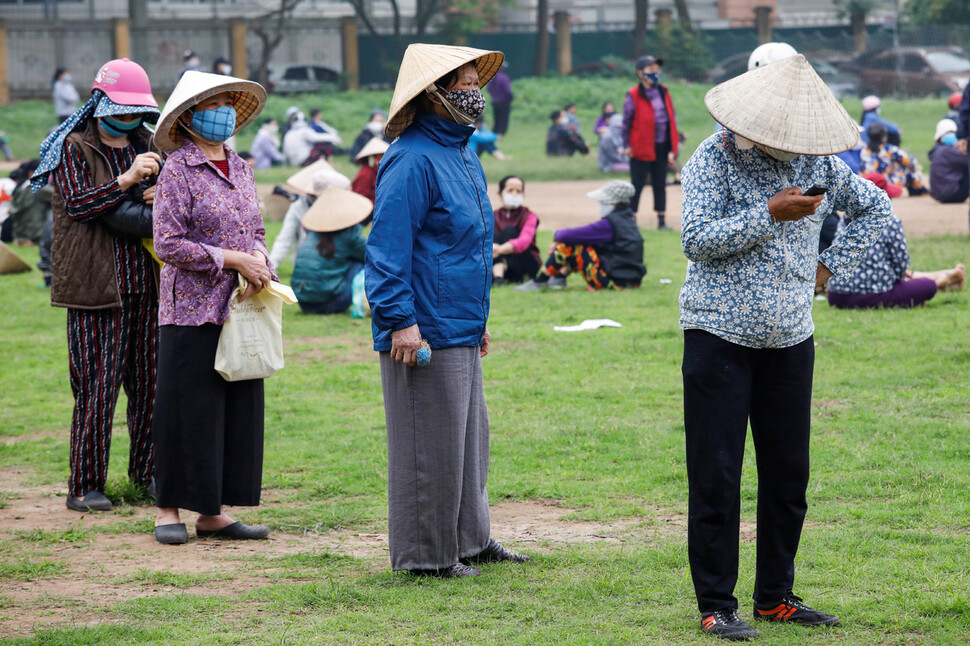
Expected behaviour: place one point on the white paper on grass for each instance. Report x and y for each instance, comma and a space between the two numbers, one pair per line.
588, 324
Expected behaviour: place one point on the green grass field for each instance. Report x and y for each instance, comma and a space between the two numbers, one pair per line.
591, 421
27, 123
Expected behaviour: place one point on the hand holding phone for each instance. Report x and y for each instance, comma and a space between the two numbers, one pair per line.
815, 190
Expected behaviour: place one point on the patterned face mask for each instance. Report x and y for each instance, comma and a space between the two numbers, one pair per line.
215, 125
780, 155
464, 106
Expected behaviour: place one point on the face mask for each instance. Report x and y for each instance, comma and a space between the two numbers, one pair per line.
780, 155
949, 139
653, 77
512, 200
563, 121
117, 128
376, 127
192, 64
215, 125
606, 209
225, 69
67, 78
464, 106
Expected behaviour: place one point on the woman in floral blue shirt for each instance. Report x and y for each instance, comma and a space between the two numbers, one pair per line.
751, 237
883, 278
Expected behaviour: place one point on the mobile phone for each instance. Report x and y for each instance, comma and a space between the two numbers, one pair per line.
815, 190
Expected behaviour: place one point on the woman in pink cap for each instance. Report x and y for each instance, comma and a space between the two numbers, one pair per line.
100, 162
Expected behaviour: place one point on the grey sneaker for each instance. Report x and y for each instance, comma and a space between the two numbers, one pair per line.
557, 282
531, 286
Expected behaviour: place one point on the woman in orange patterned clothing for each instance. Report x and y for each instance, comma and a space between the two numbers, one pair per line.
899, 167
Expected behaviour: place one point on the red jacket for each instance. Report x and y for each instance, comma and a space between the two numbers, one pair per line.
365, 182
642, 130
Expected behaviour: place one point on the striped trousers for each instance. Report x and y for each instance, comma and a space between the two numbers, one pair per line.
108, 349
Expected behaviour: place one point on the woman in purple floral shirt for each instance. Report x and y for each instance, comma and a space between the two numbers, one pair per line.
208, 432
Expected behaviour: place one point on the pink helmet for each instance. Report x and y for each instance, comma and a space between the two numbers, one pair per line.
125, 82
871, 102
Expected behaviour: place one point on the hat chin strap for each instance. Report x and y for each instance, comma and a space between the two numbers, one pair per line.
457, 115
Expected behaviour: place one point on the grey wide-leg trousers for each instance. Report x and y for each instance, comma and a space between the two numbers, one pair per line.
437, 455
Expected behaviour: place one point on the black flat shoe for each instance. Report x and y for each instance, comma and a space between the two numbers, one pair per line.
237, 531
172, 534
91, 501
495, 553
450, 572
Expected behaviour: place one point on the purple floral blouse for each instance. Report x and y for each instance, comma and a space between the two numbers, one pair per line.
199, 212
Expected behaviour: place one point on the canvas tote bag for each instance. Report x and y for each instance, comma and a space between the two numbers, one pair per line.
251, 341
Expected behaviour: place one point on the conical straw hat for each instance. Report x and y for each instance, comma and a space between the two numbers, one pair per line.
194, 87
11, 263
336, 209
302, 180
786, 106
424, 64
376, 146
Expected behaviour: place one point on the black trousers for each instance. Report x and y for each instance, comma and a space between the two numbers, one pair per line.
518, 266
725, 386
208, 432
500, 113
656, 171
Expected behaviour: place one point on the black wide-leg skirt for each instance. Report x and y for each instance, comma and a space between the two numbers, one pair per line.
208, 432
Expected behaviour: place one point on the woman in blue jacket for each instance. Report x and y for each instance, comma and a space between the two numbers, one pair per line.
332, 253
428, 274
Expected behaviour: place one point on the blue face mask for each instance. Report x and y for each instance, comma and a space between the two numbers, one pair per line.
653, 77
215, 125
117, 128
949, 139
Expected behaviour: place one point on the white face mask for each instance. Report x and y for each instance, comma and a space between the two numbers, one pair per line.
512, 200
606, 209
376, 127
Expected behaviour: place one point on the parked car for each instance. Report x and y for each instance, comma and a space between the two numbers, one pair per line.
914, 71
296, 78
841, 83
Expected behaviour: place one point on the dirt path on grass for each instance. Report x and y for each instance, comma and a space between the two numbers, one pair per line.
564, 204
74, 567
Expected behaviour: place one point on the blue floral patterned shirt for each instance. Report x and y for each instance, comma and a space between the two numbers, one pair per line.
881, 268
751, 280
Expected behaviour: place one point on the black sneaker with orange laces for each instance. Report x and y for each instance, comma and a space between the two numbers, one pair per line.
726, 624
792, 610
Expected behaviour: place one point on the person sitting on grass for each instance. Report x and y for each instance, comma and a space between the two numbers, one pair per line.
612, 148
603, 121
332, 253
365, 183
949, 182
514, 251
561, 140
292, 232
484, 140
883, 278
608, 253
899, 167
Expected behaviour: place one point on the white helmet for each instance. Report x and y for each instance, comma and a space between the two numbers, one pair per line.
769, 53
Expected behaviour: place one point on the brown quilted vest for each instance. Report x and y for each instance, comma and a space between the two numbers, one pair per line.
83, 272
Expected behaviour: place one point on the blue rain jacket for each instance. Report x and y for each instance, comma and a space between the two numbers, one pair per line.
429, 253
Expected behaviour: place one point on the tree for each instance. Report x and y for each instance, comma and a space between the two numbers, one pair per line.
683, 16
857, 11
641, 12
938, 11
271, 27
542, 38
